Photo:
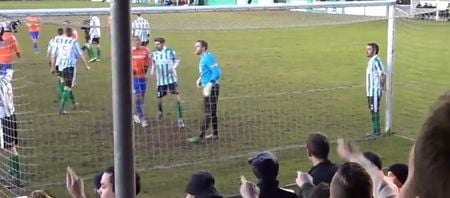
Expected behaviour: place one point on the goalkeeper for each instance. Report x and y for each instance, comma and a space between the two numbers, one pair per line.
210, 74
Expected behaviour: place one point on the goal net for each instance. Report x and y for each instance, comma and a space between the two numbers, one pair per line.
287, 70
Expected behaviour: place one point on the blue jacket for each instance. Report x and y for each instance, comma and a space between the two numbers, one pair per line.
209, 69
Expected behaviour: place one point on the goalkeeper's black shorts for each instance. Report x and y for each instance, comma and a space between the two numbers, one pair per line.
374, 103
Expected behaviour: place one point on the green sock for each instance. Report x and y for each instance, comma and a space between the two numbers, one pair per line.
90, 53
179, 110
98, 52
377, 123
72, 97
14, 166
64, 98
373, 123
60, 88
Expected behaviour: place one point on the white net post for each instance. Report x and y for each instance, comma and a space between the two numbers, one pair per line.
390, 68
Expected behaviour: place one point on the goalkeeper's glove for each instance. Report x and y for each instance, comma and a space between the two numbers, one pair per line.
198, 83
207, 89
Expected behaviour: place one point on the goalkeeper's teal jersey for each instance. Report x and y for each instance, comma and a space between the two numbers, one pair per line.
374, 71
164, 61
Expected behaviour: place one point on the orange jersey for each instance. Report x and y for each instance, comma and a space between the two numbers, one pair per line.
141, 61
8, 48
33, 23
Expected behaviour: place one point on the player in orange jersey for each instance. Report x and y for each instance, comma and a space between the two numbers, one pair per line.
141, 62
8, 46
34, 26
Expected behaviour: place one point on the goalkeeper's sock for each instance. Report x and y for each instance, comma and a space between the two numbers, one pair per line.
373, 123
64, 98
60, 88
179, 110
160, 108
140, 108
35, 47
90, 53
72, 97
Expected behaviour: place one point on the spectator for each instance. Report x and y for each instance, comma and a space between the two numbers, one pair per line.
97, 184
318, 148
429, 160
248, 189
351, 180
376, 160
397, 174
381, 188
201, 185
39, 194
308, 190
107, 184
265, 167
74, 184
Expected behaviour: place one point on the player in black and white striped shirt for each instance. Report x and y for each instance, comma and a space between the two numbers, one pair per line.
141, 29
51, 46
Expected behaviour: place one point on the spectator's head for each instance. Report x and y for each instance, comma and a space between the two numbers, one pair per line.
351, 180
374, 158
431, 170
97, 183
264, 165
321, 191
200, 47
60, 31
398, 173
372, 49
69, 32
317, 146
39, 194
107, 184
201, 184
159, 43
138, 15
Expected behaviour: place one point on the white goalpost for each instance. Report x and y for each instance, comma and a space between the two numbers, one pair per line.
265, 106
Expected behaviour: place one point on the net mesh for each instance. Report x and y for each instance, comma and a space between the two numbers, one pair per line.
285, 73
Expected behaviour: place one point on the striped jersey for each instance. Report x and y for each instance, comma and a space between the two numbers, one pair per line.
33, 23
6, 95
8, 48
141, 28
141, 62
94, 27
164, 61
53, 43
374, 71
67, 52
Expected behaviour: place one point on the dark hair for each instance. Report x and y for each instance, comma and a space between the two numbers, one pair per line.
321, 191
432, 162
374, 158
160, 40
203, 43
60, 31
110, 170
374, 47
351, 180
318, 145
69, 31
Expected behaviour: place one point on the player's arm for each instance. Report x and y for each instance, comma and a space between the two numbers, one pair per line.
16, 48
215, 70
381, 74
80, 55
176, 60
53, 59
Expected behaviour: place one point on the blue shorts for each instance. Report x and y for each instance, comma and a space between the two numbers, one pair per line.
4, 67
34, 35
139, 86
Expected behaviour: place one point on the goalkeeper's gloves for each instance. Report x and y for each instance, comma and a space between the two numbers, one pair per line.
199, 83
207, 89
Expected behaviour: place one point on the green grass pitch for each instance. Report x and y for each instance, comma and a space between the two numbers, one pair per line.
280, 81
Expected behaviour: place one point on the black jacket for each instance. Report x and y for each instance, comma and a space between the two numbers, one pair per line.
323, 172
271, 190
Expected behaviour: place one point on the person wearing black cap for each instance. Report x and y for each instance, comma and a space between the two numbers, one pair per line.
265, 167
201, 185
397, 174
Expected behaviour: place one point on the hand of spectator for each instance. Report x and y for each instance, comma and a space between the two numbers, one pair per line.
74, 184
345, 149
303, 178
248, 189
